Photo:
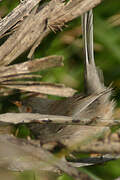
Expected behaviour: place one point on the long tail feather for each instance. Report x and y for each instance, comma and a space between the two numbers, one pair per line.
93, 83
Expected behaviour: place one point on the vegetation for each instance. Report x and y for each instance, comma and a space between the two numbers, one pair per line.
68, 43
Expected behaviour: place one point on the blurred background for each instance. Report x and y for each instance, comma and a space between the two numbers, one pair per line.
68, 43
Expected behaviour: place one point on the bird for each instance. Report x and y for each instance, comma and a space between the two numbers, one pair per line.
94, 103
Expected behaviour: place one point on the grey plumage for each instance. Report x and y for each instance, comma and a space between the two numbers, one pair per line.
93, 83
97, 97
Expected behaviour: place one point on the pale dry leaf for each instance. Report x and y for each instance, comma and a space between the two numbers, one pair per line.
40, 87
36, 26
18, 155
32, 66
17, 15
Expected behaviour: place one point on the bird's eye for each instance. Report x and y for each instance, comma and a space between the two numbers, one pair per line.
29, 109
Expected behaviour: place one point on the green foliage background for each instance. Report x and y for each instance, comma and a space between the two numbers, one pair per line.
69, 44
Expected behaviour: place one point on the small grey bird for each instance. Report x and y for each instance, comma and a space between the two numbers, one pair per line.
94, 104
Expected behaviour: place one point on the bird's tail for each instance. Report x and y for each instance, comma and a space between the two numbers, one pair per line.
93, 77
